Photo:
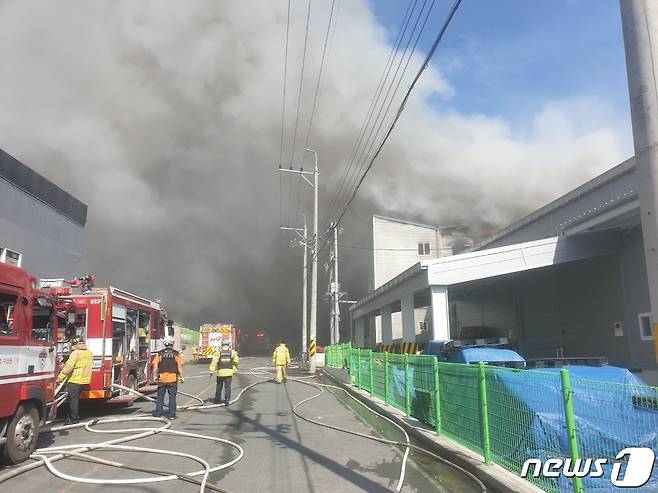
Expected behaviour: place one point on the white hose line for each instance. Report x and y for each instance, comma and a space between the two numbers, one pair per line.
38, 462
403, 468
77, 449
262, 371
42, 453
460, 469
155, 479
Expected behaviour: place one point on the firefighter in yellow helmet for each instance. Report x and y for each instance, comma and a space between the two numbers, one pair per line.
77, 372
281, 359
224, 365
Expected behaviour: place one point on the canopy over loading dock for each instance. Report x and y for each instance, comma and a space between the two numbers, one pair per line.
567, 280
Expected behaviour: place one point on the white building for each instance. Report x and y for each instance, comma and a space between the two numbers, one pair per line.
397, 245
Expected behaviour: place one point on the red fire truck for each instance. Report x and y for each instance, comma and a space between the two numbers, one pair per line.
122, 331
211, 337
27, 361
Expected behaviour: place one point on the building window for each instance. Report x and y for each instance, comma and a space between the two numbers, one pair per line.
423, 248
423, 326
646, 326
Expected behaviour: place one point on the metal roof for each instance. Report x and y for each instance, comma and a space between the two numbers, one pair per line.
402, 221
500, 261
569, 199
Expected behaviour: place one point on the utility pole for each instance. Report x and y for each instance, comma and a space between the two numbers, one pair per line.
304, 243
640, 27
314, 251
314, 266
337, 289
334, 291
305, 294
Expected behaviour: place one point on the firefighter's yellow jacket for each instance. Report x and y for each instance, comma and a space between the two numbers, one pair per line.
78, 367
224, 368
281, 355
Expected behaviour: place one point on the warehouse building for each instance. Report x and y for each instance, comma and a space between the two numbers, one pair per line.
41, 225
396, 245
567, 280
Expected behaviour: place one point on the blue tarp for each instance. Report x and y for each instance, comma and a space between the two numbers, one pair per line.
476, 354
607, 419
470, 354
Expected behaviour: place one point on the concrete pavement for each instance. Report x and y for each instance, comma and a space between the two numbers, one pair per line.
282, 452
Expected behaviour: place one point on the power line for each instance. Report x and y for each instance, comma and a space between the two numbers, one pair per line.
320, 73
373, 103
285, 76
301, 83
379, 122
424, 66
299, 104
283, 120
317, 91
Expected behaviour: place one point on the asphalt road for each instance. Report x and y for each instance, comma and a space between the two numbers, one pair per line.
282, 452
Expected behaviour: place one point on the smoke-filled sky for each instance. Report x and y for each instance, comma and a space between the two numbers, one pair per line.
165, 118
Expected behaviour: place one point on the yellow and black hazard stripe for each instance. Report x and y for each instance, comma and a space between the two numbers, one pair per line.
387, 348
311, 348
408, 348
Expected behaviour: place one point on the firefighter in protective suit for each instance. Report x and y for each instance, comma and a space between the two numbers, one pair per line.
77, 372
281, 359
224, 365
168, 370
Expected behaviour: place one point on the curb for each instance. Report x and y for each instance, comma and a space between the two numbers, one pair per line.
493, 476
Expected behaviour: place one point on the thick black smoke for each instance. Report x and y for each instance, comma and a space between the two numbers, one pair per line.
164, 117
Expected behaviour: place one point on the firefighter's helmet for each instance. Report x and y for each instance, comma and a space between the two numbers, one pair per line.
168, 341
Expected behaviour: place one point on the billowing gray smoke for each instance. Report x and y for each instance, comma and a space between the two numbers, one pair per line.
164, 117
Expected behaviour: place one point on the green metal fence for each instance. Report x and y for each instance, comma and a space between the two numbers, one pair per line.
338, 355
509, 415
378, 373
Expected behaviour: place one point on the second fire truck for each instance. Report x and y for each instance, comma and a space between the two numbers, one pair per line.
122, 330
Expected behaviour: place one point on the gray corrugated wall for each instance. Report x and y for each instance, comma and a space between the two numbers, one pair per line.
51, 244
636, 297
591, 301
539, 334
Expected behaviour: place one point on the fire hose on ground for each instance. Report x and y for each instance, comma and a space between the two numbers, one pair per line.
407, 445
47, 456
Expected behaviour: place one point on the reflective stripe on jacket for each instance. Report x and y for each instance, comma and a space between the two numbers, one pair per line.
222, 370
78, 366
281, 355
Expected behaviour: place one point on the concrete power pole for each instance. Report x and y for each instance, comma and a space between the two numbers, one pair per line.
640, 27
336, 292
314, 268
314, 252
305, 293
